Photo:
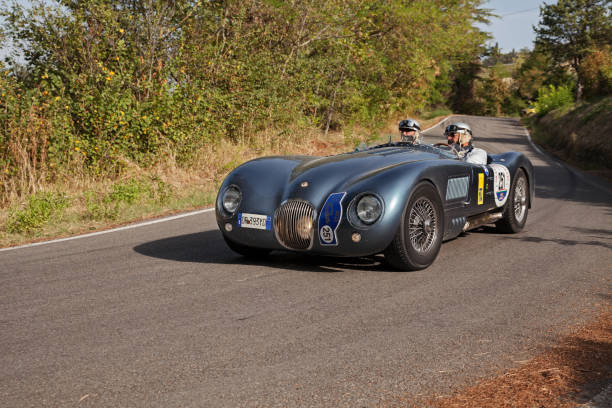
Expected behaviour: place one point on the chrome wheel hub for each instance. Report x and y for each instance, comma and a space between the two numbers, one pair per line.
427, 226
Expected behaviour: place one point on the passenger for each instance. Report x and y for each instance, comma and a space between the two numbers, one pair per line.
410, 131
459, 137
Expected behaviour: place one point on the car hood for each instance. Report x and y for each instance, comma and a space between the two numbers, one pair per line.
339, 173
349, 166
268, 181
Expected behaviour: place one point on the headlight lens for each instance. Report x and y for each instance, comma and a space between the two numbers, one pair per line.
369, 209
304, 227
231, 199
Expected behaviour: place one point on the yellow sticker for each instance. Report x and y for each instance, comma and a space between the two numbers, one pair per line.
480, 188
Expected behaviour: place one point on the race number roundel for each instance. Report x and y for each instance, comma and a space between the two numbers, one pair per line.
326, 234
501, 183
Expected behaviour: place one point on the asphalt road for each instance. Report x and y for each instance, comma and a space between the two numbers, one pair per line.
166, 315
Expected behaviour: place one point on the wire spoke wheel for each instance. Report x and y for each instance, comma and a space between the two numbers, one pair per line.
422, 225
520, 199
516, 208
417, 240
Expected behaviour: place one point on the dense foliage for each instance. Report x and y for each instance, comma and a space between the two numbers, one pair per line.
107, 82
571, 30
552, 98
572, 55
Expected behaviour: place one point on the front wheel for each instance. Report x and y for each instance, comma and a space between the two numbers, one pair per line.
516, 209
419, 237
246, 251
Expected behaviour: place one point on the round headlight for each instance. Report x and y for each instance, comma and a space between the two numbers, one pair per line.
303, 227
369, 209
231, 199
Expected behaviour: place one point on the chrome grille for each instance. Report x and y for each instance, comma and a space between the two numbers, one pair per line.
294, 224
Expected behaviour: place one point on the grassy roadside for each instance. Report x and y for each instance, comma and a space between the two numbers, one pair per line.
579, 135
78, 204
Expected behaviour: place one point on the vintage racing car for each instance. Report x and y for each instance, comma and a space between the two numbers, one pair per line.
399, 199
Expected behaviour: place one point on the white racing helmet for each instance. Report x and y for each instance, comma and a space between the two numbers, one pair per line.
464, 130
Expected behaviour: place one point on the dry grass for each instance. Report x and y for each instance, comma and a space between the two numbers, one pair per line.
552, 379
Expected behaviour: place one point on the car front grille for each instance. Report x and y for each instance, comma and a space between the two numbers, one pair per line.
294, 224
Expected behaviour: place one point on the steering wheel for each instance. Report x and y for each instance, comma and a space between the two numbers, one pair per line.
452, 148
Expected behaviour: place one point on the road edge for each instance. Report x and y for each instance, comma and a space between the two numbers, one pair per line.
108, 231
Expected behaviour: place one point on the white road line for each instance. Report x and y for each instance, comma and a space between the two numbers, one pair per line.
537, 149
108, 231
437, 124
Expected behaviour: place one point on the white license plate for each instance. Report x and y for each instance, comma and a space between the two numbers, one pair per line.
256, 221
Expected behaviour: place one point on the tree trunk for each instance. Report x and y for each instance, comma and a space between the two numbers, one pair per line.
579, 80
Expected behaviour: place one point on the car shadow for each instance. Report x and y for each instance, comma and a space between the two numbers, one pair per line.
487, 229
209, 247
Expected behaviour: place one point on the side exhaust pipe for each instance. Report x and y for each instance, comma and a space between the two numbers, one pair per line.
481, 219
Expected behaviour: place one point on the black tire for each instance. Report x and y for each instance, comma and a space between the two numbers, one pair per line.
424, 217
247, 251
517, 207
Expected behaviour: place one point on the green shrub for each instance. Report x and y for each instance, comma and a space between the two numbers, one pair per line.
100, 207
40, 209
160, 190
129, 191
123, 194
551, 98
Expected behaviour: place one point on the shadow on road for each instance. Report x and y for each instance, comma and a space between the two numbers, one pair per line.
549, 184
565, 242
209, 247
600, 242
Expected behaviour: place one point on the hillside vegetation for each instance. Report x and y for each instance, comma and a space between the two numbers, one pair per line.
580, 135
169, 96
108, 83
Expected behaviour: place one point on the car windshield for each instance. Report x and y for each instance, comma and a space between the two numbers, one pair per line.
446, 152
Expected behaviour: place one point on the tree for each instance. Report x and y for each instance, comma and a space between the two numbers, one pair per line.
537, 70
570, 29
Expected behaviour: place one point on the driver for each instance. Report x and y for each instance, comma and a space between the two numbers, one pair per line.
410, 131
459, 137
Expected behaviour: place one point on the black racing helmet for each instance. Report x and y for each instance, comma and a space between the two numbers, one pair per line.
407, 125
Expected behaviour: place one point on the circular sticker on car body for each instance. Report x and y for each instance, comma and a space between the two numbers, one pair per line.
501, 183
327, 234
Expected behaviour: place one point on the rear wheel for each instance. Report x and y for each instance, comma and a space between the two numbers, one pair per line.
246, 251
417, 241
517, 207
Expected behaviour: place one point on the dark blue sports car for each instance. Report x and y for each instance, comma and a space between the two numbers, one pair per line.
399, 199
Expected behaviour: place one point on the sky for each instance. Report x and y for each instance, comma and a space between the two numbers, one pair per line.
513, 28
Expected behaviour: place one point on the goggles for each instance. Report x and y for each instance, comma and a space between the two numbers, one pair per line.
451, 129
